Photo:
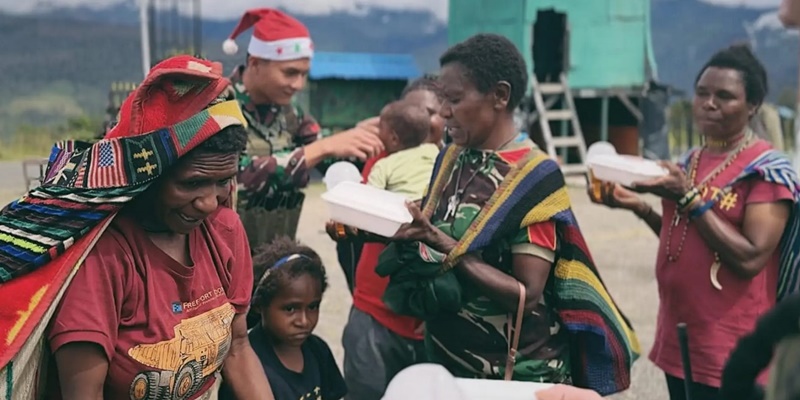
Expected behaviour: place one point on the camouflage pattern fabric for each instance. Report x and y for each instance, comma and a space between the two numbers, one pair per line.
273, 169
277, 137
473, 343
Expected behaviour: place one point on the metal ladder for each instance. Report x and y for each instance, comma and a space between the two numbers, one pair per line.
555, 91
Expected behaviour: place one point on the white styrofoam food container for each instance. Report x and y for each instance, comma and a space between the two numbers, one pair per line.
624, 169
485, 389
367, 208
432, 382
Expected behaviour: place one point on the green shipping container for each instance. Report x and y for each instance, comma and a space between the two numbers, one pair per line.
609, 39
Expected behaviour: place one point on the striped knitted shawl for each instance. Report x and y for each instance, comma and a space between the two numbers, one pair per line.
774, 167
46, 234
603, 343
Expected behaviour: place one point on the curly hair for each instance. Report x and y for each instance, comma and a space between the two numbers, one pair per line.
488, 59
426, 82
270, 278
739, 57
411, 122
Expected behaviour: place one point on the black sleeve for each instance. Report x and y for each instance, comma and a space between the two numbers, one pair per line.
225, 392
333, 386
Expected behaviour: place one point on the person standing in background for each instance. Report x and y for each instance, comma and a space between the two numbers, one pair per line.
283, 144
766, 124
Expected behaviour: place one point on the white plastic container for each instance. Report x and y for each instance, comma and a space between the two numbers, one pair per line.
600, 148
433, 382
367, 208
485, 389
624, 169
606, 165
341, 171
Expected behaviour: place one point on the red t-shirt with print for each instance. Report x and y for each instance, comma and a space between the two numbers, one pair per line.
165, 327
715, 319
369, 287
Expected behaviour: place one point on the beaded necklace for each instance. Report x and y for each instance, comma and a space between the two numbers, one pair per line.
702, 187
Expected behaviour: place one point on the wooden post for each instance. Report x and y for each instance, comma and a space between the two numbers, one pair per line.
604, 118
144, 31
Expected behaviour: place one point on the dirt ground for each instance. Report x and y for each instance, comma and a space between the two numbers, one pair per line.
622, 246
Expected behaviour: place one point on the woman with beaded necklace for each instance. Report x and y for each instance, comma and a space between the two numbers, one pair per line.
725, 207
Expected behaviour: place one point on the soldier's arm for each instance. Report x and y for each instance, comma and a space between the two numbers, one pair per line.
293, 169
290, 169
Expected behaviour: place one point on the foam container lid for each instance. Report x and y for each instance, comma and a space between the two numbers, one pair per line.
639, 166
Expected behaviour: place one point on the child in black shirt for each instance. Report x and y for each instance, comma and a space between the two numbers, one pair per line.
290, 280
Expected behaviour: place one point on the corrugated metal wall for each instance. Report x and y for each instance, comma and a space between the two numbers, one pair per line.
608, 38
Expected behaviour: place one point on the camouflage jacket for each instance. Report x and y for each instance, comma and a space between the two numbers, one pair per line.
277, 134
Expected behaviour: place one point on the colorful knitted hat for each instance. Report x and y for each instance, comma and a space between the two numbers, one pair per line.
276, 36
177, 107
173, 91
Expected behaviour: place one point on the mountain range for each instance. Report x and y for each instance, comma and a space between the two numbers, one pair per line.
59, 63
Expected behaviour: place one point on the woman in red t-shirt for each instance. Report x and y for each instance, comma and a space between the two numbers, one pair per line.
158, 306
718, 261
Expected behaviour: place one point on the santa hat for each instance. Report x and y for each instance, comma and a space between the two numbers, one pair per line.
276, 36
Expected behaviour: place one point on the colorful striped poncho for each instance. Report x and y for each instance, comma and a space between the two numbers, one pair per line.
46, 234
533, 191
774, 167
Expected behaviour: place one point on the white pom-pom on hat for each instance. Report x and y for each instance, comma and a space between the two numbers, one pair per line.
230, 47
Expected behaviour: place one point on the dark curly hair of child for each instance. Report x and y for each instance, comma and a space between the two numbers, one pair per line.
426, 82
274, 266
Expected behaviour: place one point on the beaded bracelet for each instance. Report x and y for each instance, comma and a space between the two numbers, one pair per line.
692, 204
687, 198
697, 212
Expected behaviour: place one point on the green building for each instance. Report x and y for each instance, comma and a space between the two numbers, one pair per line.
345, 88
610, 53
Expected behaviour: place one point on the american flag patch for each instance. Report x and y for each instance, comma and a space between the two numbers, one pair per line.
107, 169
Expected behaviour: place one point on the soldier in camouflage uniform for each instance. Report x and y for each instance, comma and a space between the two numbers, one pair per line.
283, 144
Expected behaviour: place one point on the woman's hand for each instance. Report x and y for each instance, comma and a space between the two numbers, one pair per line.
420, 229
339, 232
613, 195
672, 186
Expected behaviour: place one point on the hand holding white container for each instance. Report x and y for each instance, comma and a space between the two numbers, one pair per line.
606, 165
367, 208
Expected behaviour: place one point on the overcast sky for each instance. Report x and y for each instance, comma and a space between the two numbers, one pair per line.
226, 9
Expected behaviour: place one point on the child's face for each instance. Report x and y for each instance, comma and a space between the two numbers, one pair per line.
293, 313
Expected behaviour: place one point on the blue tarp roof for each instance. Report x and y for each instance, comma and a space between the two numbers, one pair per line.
327, 65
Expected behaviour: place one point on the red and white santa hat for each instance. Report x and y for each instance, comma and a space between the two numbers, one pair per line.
276, 36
